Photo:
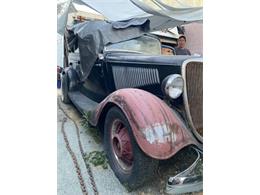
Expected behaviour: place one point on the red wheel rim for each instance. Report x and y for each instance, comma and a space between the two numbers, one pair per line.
121, 145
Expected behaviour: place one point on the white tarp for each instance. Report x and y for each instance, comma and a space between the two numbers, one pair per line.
170, 33
160, 14
60, 50
63, 9
115, 10
159, 8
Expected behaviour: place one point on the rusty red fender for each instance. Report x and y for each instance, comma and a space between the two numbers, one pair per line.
158, 130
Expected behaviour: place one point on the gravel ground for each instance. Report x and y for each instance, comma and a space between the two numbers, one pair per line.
106, 181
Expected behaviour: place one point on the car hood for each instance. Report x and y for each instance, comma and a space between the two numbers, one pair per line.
147, 59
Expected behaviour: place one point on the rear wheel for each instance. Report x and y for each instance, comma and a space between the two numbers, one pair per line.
129, 163
65, 89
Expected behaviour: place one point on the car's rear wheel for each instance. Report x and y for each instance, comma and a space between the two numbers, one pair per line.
65, 89
129, 163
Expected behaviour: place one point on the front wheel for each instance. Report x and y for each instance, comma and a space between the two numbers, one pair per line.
129, 163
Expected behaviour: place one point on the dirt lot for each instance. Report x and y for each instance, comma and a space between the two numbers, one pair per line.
104, 178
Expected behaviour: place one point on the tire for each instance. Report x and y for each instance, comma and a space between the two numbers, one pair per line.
65, 89
132, 166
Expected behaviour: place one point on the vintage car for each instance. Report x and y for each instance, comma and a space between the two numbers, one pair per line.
148, 105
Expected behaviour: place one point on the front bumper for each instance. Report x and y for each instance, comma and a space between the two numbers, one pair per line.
189, 180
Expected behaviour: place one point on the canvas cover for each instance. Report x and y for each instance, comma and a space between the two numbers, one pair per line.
160, 14
91, 37
127, 9
63, 9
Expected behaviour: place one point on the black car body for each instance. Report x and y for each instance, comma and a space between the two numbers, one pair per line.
100, 72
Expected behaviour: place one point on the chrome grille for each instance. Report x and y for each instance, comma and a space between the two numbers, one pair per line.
126, 77
193, 100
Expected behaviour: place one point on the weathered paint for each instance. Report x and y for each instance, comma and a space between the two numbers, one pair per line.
158, 129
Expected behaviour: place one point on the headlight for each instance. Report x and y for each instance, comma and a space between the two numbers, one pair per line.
172, 85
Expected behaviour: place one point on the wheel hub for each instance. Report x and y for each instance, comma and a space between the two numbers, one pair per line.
121, 145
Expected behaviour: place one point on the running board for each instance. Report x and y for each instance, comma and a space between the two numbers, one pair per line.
82, 102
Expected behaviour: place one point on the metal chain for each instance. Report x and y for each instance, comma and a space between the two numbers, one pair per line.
75, 161
91, 177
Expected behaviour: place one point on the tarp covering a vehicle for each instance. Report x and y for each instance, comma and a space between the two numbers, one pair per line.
160, 14
63, 9
92, 36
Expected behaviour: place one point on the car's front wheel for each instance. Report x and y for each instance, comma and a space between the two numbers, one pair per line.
129, 163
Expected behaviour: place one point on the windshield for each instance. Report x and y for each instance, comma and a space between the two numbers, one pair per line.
144, 45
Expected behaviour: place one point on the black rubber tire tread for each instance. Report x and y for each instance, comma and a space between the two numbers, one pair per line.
144, 167
65, 88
